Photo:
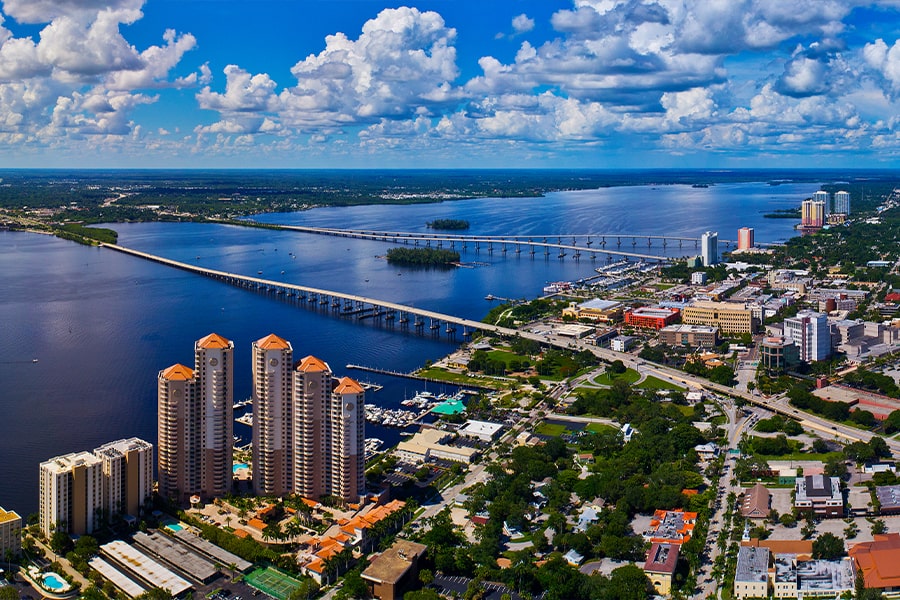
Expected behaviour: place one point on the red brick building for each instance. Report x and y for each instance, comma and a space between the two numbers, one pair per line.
652, 318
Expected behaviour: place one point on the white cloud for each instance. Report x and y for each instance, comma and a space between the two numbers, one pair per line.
522, 24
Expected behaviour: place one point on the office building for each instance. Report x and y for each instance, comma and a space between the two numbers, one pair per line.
698, 278
729, 318
709, 248
395, 570
195, 420
272, 418
746, 239
71, 494
842, 202
127, 467
812, 214
777, 354
10, 533
646, 317
691, 336
820, 494
810, 333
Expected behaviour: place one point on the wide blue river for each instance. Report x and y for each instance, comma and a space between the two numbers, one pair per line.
101, 324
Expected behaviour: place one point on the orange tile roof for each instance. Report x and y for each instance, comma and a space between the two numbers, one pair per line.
241, 533
272, 342
265, 511
317, 565
178, 372
504, 563
879, 560
213, 340
257, 524
309, 503
801, 547
311, 364
348, 386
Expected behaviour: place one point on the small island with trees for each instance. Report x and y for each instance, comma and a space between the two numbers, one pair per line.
448, 224
422, 257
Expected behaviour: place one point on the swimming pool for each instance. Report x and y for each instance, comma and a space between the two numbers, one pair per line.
54, 582
239, 466
174, 526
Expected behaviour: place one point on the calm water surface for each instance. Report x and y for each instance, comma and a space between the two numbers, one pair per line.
102, 324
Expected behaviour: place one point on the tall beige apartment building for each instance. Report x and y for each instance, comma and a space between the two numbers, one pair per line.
329, 430
71, 496
10, 533
195, 420
127, 467
272, 435
81, 491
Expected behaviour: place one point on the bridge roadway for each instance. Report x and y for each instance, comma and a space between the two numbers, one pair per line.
358, 307
341, 303
532, 242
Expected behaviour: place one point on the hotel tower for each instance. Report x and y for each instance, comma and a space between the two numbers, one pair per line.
195, 414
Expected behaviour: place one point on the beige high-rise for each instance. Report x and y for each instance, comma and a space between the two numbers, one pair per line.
272, 361
195, 418
214, 370
71, 495
127, 475
178, 464
328, 432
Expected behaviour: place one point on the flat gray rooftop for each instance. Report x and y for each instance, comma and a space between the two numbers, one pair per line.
119, 579
220, 555
178, 555
752, 565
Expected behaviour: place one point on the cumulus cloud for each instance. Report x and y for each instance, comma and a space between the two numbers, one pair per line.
80, 76
402, 63
522, 24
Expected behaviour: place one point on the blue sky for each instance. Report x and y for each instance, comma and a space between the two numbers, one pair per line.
449, 83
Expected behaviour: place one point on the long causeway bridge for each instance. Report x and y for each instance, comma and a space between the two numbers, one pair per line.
339, 304
617, 244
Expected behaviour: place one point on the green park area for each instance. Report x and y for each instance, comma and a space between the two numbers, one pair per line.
655, 383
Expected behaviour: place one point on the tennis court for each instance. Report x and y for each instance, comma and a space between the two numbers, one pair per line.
273, 582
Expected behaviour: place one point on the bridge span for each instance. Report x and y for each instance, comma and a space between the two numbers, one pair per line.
340, 304
590, 244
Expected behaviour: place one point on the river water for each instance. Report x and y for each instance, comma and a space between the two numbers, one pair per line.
101, 324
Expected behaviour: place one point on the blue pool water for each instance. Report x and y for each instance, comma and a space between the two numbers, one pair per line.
174, 527
240, 466
54, 582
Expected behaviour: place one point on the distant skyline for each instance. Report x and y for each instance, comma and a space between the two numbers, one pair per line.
449, 84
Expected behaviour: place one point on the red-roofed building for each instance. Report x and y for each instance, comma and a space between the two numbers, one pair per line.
660, 566
879, 561
672, 526
652, 318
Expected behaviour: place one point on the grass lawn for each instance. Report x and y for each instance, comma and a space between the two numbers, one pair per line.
685, 410
550, 429
506, 356
462, 379
805, 456
655, 383
629, 376
600, 428
663, 286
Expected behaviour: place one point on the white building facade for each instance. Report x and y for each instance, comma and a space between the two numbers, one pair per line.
810, 333
709, 248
